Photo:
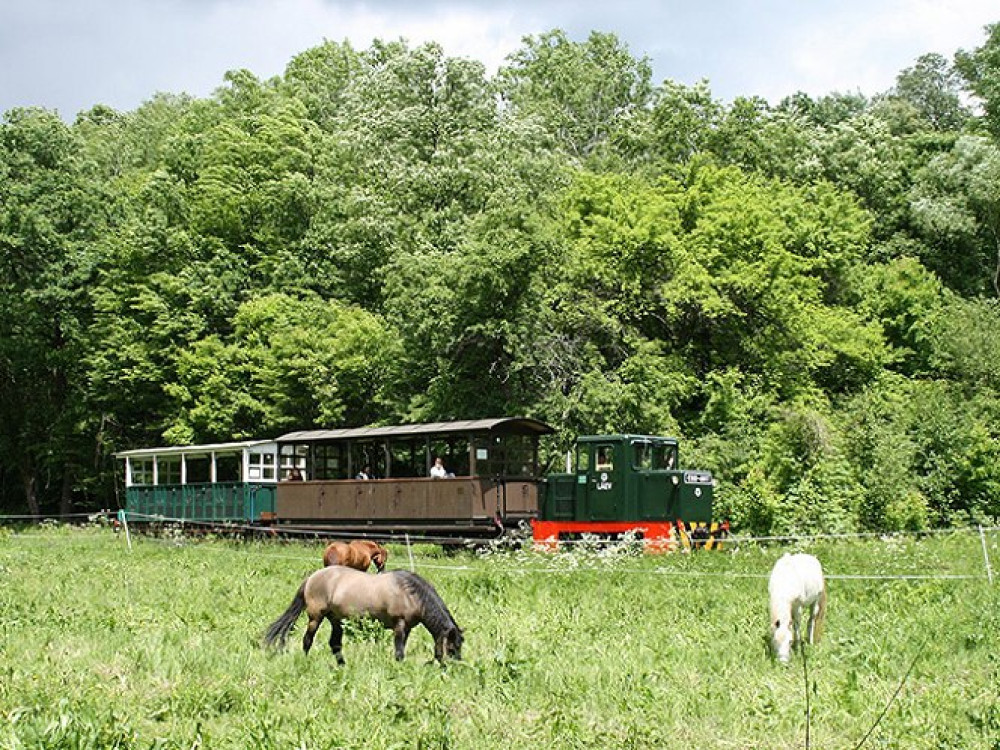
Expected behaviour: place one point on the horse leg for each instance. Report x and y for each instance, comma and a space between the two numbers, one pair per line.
441, 646
402, 632
816, 621
311, 628
796, 627
336, 638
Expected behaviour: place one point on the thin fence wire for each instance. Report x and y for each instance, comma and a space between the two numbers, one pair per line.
525, 560
728, 540
43, 517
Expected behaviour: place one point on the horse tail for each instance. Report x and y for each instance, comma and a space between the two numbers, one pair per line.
280, 628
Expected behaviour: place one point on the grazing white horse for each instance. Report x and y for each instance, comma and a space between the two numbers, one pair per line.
796, 584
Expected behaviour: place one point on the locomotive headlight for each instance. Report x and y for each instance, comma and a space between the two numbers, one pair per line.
675, 479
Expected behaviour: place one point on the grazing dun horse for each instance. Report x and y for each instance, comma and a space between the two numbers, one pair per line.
399, 600
796, 584
358, 554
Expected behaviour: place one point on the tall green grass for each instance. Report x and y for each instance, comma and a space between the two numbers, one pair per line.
159, 647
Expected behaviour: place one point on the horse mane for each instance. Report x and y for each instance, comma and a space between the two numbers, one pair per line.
436, 616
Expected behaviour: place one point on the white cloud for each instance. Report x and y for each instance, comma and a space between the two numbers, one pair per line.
70, 56
865, 47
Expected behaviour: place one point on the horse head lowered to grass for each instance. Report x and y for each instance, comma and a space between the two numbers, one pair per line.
796, 583
358, 554
400, 600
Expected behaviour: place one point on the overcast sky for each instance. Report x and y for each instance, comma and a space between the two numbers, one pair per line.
68, 55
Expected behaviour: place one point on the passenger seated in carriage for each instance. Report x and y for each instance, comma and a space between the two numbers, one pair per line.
439, 472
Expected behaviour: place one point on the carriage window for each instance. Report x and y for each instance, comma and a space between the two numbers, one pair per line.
605, 458
293, 456
582, 458
458, 457
168, 470
261, 466
498, 455
199, 469
485, 455
408, 458
368, 454
142, 470
490, 456
520, 455
331, 461
454, 452
227, 468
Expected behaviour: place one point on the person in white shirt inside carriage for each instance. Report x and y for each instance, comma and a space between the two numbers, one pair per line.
438, 471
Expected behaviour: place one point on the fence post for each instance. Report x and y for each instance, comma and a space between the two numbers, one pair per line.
124, 522
409, 551
986, 555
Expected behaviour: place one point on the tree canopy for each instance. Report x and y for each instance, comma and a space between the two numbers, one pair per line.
805, 292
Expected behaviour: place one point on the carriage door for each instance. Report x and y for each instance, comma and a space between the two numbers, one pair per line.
604, 485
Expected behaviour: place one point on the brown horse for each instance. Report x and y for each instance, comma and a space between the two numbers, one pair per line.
399, 600
358, 554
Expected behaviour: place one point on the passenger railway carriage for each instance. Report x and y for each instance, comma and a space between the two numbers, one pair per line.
309, 480
218, 482
492, 463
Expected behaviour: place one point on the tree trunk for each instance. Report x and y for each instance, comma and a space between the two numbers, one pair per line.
996, 271
66, 493
28, 480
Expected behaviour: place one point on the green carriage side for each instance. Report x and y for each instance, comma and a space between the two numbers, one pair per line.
217, 483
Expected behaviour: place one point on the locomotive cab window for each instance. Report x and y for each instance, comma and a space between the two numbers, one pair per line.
604, 458
664, 457
653, 456
642, 455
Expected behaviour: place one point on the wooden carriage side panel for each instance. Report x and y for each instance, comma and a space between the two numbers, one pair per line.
299, 500
512, 498
383, 500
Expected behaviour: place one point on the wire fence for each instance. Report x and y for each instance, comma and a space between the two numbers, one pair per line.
520, 556
730, 539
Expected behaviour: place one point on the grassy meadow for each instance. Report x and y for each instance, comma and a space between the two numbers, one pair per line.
158, 647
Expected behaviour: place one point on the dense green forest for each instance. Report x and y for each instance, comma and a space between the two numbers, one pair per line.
806, 292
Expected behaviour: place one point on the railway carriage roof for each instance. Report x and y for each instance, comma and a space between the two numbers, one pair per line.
171, 450
623, 438
507, 425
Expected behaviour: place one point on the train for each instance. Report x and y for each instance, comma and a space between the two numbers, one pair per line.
375, 481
